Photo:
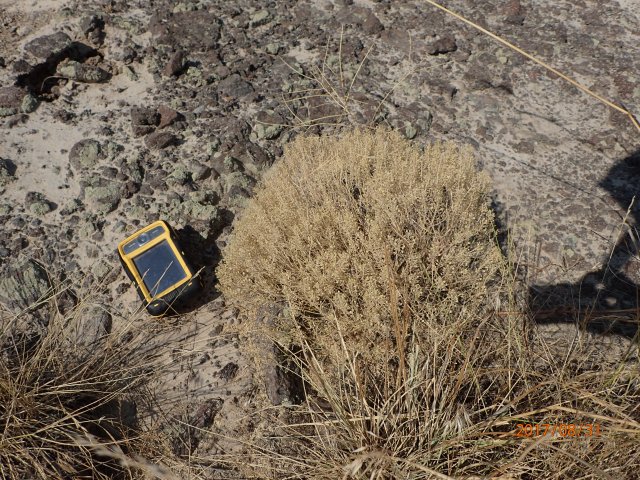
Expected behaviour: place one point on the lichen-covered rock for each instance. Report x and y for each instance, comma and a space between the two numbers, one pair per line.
82, 72
24, 286
37, 203
29, 103
85, 154
102, 198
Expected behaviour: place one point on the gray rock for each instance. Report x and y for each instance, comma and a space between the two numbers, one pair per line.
87, 327
410, 131
234, 87
85, 154
38, 204
160, 140
29, 103
7, 112
372, 24
269, 125
261, 17
103, 198
272, 48
24, 286
82, 72
11, 97
48, 47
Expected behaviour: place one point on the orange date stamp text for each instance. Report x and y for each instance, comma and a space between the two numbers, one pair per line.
528, 430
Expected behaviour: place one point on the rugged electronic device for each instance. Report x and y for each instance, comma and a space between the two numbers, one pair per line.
155, 263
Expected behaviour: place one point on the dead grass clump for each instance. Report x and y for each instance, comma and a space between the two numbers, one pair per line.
68, 396
397, 308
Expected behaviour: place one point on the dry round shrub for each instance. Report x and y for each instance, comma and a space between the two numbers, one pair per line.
347, 230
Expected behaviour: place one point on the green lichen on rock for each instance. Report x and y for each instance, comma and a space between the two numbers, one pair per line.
85, 154
268, 132
38, 203
29, 103
102, 199
8, 111
82, 73
23, 286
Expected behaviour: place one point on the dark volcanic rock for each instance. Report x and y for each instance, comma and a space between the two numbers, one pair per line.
160, 140
144, 120
197, 30
514, 12
11, 97
175, 65
49, 47
92, 28
167, 116
7, 171
446, 44
234, 87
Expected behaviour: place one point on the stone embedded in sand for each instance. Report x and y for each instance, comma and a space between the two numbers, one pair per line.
22, 286
103, 197
167, 116
29, 103
37, 203
446, 44
82, 72
234, 87
160, 140
87, 329
48, 47
11, 97
175, 65
7, 171
143, 120
85, 154
261, 17
11, 100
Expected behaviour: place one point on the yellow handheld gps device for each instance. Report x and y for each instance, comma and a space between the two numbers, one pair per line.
155, 263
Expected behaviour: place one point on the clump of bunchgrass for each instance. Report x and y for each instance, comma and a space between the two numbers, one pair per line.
68, 394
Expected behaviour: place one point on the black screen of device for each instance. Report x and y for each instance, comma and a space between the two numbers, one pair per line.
159, 268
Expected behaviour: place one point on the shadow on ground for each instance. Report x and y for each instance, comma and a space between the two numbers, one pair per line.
605, 300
